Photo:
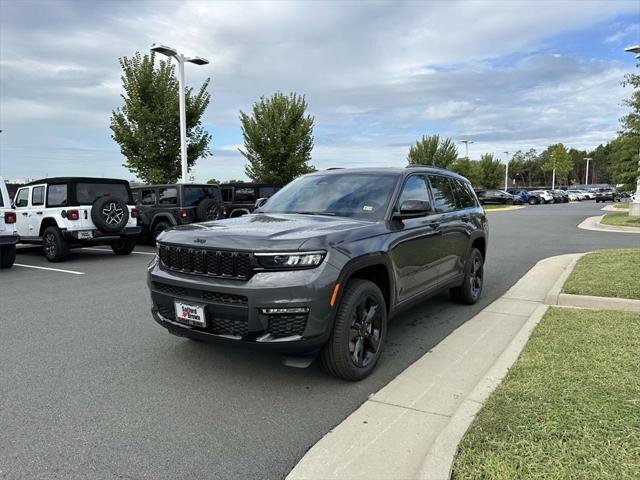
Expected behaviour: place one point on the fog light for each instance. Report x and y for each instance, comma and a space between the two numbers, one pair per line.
280, 311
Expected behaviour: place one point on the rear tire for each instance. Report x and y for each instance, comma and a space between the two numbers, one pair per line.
124, 246
7, 256
54, 246
158, 229
358, 334
471, 289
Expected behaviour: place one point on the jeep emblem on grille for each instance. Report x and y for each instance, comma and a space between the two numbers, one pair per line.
199, 240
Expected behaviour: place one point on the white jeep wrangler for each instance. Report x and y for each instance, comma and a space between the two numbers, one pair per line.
8, 231
62, 213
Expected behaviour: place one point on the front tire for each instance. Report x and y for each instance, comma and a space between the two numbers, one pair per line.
54, 246
124, 246
158, 229
471, 289
7, 256
358, 334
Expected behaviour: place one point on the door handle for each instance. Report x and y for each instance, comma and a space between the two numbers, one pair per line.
39, 213
25, 214
434, 223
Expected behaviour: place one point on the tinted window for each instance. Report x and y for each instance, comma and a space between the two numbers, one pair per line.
465, 197
135, 194
56, 196
245, 194
227, 193
360, 195
87, 193
266, 192
194, 195
415, 188
148, 197
443, 198
22, 197
168, 196
37, 196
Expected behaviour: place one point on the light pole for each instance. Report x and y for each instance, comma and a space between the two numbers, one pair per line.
586, 173
634, 206
506, 173
181, 59
466, 147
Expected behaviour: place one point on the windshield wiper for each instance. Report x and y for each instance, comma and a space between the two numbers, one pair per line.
328, 214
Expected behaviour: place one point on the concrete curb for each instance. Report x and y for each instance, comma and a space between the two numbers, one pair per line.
556, 290
612, 208
598, 303
412, 427
593, 223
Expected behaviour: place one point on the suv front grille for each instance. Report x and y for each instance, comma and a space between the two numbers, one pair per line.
216, 263
213, 297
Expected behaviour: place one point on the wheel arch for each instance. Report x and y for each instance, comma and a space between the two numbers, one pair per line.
46, 223
375, 268
159, 217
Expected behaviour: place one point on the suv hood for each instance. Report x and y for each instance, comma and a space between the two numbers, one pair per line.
260, 231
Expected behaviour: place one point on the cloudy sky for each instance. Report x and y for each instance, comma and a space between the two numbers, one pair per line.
377, 75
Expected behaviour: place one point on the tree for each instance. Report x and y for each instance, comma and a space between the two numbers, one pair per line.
432, 151
560, 161
491, 171
278, 139
147, 126
626, 147
215, 181
468, 169
525, 167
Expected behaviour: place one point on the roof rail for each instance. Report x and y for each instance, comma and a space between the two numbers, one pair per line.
417, 165
335, 168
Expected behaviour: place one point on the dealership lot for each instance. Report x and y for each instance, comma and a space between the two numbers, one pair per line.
93, 387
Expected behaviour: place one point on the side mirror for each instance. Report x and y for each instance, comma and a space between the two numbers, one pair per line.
413, 209
260, 202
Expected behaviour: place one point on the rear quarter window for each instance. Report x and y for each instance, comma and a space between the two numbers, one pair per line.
168, 196
87, 193
245, 194
443, 198
57, 196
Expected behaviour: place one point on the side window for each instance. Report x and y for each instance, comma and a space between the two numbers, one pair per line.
135, 195
227, 194
57, 196
245, 194
148, 197
168, 196
37, 195
415, 188
465, 198
22, 198
443, 197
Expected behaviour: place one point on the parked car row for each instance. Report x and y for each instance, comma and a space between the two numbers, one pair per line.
519, 196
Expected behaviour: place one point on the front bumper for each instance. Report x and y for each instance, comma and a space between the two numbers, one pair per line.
233, 307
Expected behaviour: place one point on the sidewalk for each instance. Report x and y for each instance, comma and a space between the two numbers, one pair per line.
411, 428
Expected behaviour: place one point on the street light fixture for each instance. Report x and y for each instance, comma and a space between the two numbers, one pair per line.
466, 147
586, 173
634, 206
181, 59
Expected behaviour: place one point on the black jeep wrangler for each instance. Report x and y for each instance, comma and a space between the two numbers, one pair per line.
323, 264
164, 206
240, 198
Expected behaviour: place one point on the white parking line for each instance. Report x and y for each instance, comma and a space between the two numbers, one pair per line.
111, 251
50, 269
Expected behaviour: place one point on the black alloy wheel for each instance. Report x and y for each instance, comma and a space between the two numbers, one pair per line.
471, 289
365, 331
54, 247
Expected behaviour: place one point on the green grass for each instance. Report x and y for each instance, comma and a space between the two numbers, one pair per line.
607, 273
621, 220
497, 207
568, 409
622, 206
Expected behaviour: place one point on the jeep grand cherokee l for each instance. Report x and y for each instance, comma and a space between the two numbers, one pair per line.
323, 264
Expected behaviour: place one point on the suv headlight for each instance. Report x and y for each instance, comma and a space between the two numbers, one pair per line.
290, 260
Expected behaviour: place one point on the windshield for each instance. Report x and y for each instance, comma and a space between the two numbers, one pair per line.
359, 195
87, 193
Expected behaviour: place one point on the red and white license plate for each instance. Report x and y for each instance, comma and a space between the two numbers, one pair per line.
190, 314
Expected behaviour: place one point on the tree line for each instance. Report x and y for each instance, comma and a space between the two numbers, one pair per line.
278, 138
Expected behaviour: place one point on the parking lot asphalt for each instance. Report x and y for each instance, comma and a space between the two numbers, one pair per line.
92, 387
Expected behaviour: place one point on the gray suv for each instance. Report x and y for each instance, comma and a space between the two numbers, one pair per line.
323, 264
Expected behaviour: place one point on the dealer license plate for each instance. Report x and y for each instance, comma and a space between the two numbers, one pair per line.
85, 235
190, 314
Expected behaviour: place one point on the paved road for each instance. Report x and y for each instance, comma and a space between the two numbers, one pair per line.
91, 387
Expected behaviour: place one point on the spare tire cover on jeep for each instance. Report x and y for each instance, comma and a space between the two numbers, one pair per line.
207, 209
110, 214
